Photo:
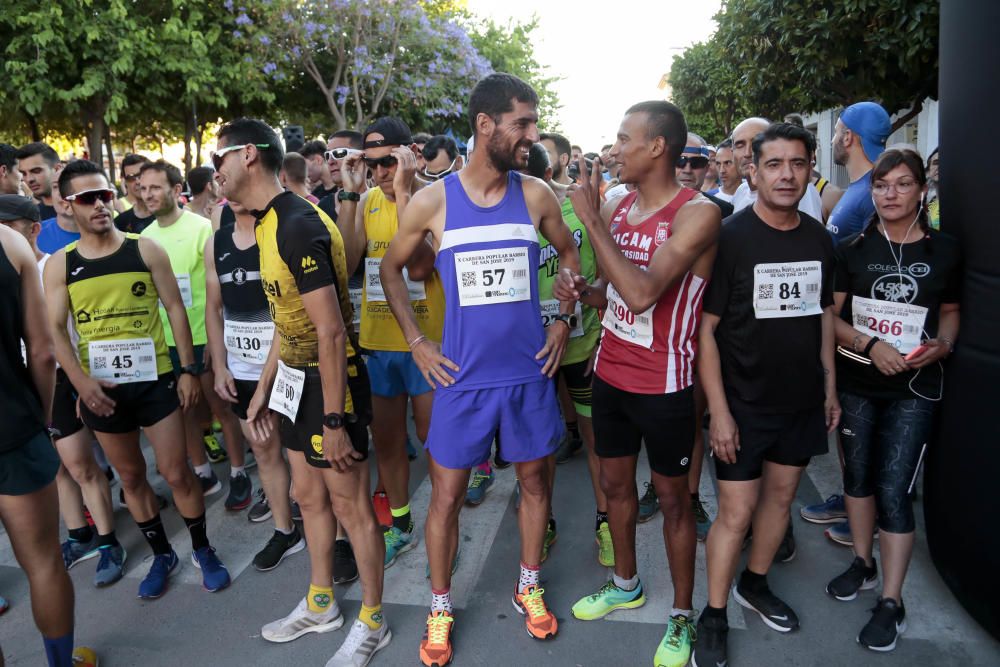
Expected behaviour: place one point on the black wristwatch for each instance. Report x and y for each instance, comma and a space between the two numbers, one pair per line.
344, 195
190, 369
570, 320
334, 420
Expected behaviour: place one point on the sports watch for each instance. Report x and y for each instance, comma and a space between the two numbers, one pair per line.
334, 420
190, 369
570, 320
344, 195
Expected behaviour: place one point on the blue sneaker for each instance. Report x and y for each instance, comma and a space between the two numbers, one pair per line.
111, 567
74, 552
397, 543
155, 583
214, 575
479, 486
841, 533
831, 510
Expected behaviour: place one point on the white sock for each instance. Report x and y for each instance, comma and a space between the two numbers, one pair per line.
236, 470
441, 601
682, 612
529, 577
204, 470
285, 532
626, 584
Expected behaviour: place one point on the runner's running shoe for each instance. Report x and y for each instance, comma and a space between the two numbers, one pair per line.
4, 604
155, 583
606, 600
830, 510
841, 534
277, 549
345, 567
111, 567
648, 504
710, 650
302, 621
380, 500
605, 546
786, 550
479, 486
435, 647
74, 552
888, 621
210, 484
261, 510
568, 448
84, 657
361, 645
240, 492
772, 610
214, 575
397, 542
213, 450
858, 577
675, 649
701, 521
538, 621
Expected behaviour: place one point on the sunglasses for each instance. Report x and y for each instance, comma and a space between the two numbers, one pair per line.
696, 161
340, 153
131, 177
430, 176
90, 197
219, 156
386, 161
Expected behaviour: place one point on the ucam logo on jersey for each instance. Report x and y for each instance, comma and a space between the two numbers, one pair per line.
661, 233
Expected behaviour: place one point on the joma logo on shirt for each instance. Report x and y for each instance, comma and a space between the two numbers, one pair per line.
308, 264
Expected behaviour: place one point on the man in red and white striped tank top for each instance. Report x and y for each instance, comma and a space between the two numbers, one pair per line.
655, 249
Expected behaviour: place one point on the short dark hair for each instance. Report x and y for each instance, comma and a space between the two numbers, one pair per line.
310, 148
786, 131
794, 119
74, 169
576, 147
8, 156
356, 139
295, 167
253, 131
174, 176
559, 141
39, 148
494, 96
199, 178
664, 120
131, 159
538, 161
439, 143
421, 138
728, 143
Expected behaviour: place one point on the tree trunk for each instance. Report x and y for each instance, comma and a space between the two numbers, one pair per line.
909, 115
36, 132
94, 123
111, 153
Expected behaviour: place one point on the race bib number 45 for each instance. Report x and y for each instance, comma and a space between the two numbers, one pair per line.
788, 289
899, 324
123, 361
486, 277
622, 322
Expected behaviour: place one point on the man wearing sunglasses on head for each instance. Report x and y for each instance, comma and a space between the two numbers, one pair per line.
369, 222
111, 283
440, 158
137, 217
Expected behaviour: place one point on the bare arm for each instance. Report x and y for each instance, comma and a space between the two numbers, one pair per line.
351, 216
323, 310
724, 437
37, 335
225, 386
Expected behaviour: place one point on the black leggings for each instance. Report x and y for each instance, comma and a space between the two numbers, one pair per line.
883, 441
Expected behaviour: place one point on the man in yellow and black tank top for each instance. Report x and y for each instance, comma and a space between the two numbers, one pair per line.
314, 379
370, 223
110, 282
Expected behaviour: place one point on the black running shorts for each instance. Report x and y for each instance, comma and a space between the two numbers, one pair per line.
137, 404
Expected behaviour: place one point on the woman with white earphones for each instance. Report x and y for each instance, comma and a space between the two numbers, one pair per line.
897, 290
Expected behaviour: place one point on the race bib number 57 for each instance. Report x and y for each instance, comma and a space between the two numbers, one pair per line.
787, 289
486, 277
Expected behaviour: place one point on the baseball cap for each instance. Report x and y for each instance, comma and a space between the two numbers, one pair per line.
869, 121
16, 207
394, 132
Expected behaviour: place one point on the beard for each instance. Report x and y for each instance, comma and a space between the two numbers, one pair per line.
504, 158
839, 154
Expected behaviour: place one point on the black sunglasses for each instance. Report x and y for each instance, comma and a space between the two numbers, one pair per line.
386, 161
90, 197
696, 161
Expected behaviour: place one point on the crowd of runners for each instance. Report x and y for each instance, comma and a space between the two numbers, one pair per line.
524, 301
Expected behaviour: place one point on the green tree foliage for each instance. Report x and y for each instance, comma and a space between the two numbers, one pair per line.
810, 55
707, 89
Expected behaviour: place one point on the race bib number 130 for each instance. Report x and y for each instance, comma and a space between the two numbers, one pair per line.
486, 277
788, 289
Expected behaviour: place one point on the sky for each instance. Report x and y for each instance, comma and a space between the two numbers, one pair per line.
610, 55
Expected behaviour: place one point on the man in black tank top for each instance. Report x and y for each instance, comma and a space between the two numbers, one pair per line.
29, 503
121, 369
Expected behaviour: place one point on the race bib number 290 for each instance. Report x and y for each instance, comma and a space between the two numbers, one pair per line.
787, 289
487, 277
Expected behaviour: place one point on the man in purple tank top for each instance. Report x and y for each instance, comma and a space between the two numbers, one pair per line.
494, 366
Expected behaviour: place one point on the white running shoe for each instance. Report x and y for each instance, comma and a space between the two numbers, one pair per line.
302, 621
361, 645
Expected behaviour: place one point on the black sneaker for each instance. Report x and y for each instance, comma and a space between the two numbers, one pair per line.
786, 550
260, 510
345, 568
887, 623
279, 547
772, 610
858, 577
649, 503
240, 492
210, 484
568, 448
710, 649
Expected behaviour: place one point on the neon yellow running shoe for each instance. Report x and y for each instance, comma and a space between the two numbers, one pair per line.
605, 547
606, 600
675, 649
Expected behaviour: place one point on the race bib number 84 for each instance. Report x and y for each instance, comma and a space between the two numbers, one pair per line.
789, 289
487, 277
